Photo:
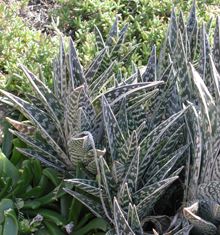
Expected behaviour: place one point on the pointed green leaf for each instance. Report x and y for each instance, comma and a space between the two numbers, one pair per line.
94, 206
121, 224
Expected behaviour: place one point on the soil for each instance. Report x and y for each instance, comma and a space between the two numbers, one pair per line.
37, 14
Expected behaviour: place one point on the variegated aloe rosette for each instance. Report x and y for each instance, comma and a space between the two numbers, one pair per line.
144, 139
197, 67
128, 131
65, 115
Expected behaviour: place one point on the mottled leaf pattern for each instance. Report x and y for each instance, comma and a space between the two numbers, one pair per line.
48, 99
76, 72
135, 222
148, 144
121, 37
113, 131
102, 79
94, 206
99, 39
41, 120
125, 197
216, 46
147, 190
129, 148
123, 119
59, 67
134, 134
115, 95
210, 191
202, 226
37, 144
113, 33
149, 74
173, 34
104, 172
192, 29
121, 224
93, 68
78, 148
88, 186
165, 170
131, 176
46, 159
145, 206
204, 60
184, 82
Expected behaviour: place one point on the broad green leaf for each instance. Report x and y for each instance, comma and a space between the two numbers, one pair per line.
92, 205
7, 169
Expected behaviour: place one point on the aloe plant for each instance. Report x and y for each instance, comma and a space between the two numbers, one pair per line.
144, 142
110, 126
65, 116
186, 44
32, 200
196, 65
203, 183
131, 136
134, 176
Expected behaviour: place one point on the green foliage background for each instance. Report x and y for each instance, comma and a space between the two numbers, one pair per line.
147, 21
21, 44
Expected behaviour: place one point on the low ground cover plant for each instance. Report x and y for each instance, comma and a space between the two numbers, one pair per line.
21, 44
25, 43
148, 21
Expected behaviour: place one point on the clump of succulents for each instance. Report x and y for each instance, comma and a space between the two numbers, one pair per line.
109, 126
134, 174
65, 115
130, 137
196, 64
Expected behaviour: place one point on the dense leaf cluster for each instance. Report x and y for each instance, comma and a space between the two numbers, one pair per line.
121, 143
